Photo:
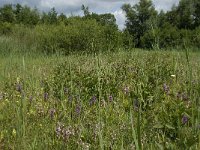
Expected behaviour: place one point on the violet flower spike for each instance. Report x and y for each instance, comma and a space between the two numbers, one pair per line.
185, 119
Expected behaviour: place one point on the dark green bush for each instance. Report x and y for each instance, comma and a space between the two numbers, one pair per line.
5, 28
77, 36
196, 37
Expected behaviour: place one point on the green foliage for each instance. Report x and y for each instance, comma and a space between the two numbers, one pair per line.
134, 100
77, 36
27, 16
7, 14
196, 37
138, 18
5, 28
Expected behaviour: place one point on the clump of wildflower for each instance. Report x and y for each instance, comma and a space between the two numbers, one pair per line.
182, 96
166, 88
59, 129
64, 132
93, 100
185, 119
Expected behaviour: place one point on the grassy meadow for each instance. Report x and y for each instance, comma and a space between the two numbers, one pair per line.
132, 99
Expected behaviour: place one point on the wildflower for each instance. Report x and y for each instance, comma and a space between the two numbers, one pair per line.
31, 98
126, 90
110, 98
78, 109
136, 104
14, 132
52, 112
184, 97
46, 96
93, 100
19, 87
58, 131
173, 75
179, 95
66, 134
185, 119
166, 88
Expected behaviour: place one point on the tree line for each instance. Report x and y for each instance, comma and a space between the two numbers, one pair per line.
145, 27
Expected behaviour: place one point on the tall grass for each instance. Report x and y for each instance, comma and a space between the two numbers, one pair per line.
124, 100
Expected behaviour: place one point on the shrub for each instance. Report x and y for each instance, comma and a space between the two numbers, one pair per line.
77, 36
5, 28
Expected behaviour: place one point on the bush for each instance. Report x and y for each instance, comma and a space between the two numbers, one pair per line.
196, 37
77, 36
5, 28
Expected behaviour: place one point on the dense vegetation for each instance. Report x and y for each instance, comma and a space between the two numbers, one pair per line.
79, 82
145, 27
123, 100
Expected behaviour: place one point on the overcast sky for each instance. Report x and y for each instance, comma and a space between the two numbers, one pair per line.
99, 6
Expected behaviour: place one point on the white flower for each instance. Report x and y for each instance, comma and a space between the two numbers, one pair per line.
173, 75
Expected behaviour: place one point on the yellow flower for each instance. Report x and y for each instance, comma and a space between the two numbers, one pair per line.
14, 133
18, 79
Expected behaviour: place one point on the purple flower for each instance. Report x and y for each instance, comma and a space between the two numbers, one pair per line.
166, 88
93, 100
46, 96
19, 87
126, 90
78, 109
59, 129
31, 98
182, 96
110, 98
185, 119
52, 112
136, 104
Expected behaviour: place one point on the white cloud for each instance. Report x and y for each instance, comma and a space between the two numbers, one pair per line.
120, 17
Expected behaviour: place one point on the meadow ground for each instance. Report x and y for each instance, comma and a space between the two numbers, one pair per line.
125, 100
